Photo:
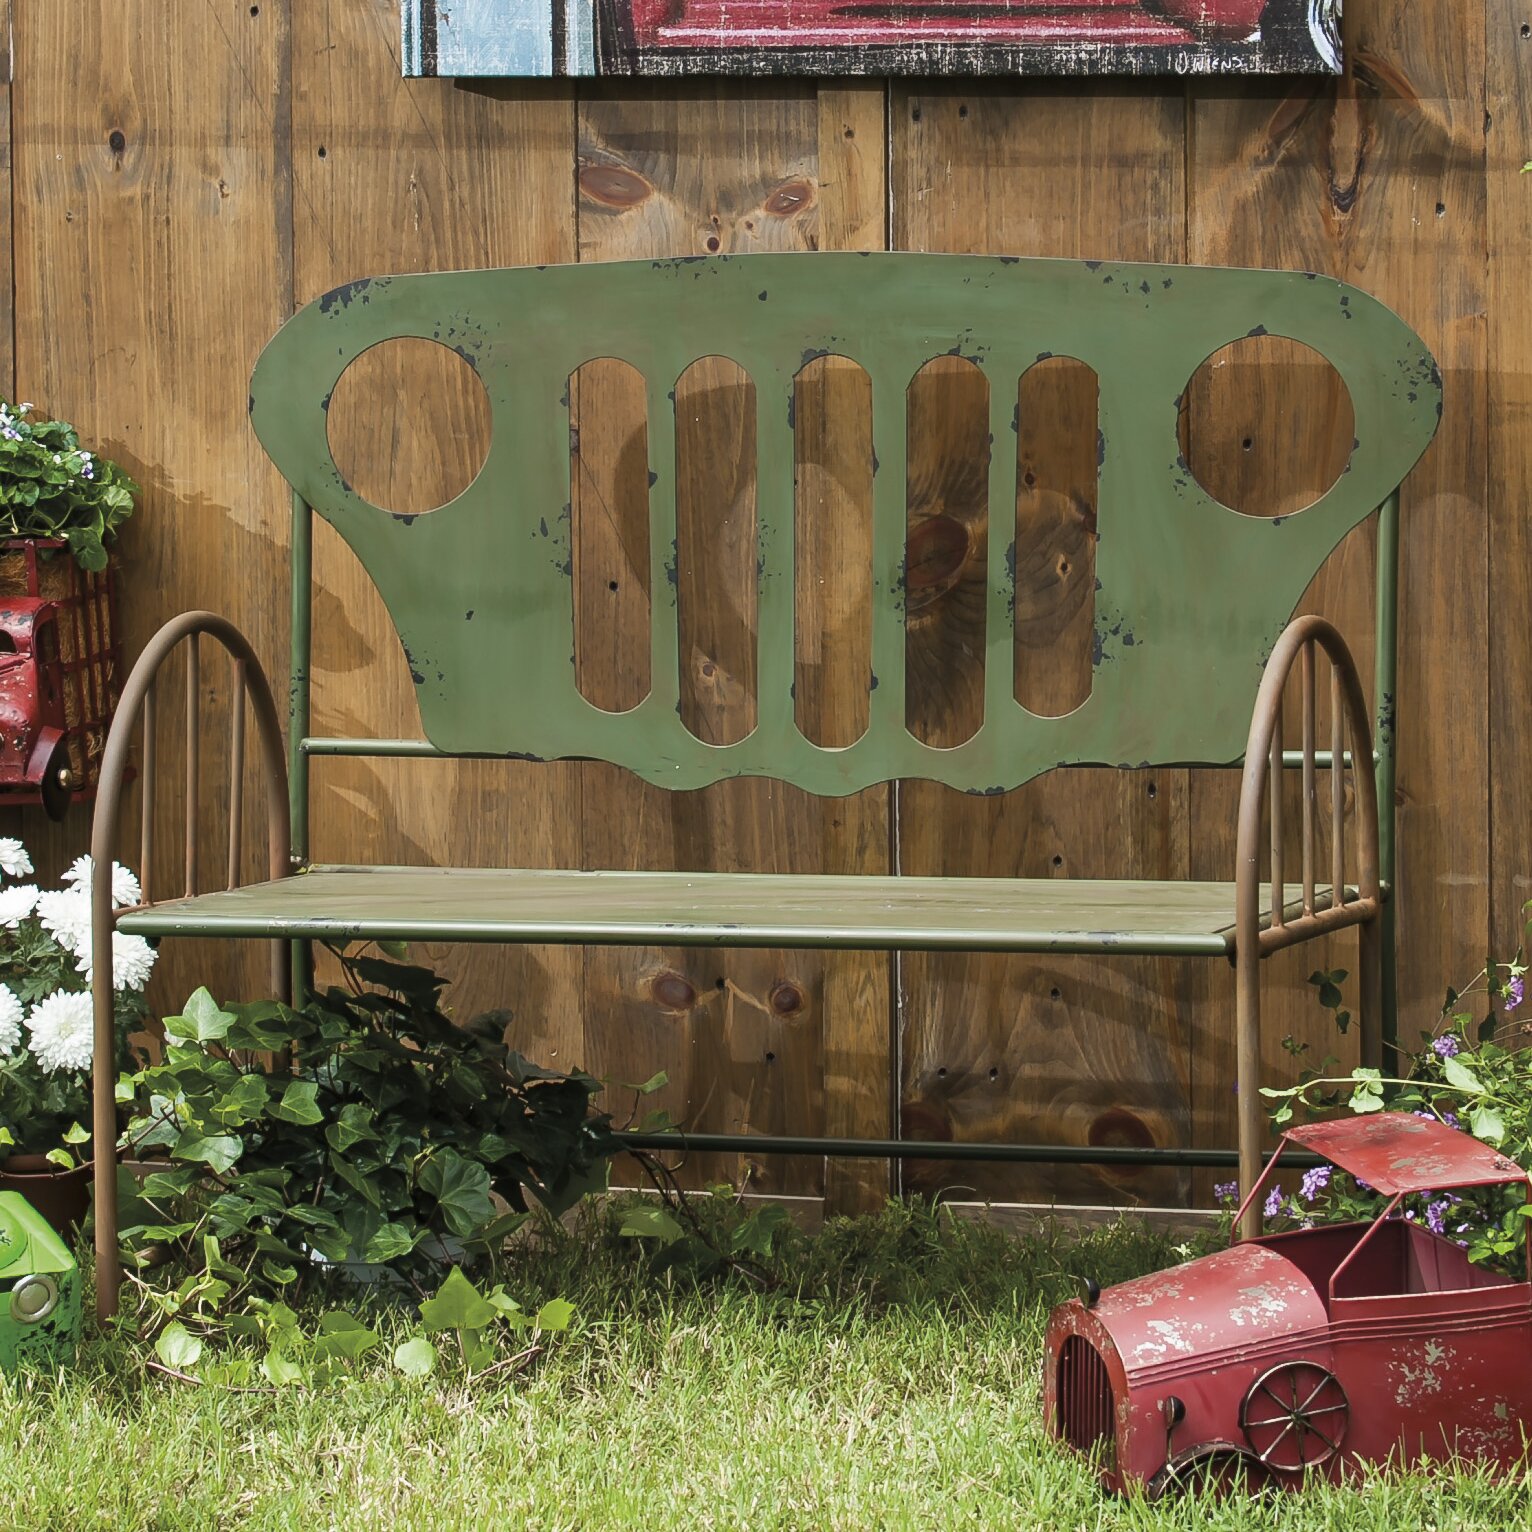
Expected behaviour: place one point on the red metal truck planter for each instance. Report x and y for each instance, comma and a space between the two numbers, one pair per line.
34, 758
1308, 1352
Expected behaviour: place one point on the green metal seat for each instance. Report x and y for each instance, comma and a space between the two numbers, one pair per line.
721, 909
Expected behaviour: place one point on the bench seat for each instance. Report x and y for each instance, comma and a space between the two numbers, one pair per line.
721, 909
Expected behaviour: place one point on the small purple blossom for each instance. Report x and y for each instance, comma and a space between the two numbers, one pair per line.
1446, 1047
1226, 1191
1273, 1204
1451, 1119
1436, 1215
1514, 991
1314, 1182
1361, 1185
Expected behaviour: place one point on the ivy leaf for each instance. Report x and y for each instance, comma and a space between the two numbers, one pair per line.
201, 1021
415, 1358
176, 1347
298, 1104
555, 1314
279, 1369
458, 1305
461, 1189
342, 1334
759, 1231
644, 1223
354, 1125
217, 1151
60, 1157
390, 1243
242, 1103
75, 1134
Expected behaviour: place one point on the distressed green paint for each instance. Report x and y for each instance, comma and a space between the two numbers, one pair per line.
1191, 594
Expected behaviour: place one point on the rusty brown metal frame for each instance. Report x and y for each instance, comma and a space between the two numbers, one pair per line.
1260, 790
138, 704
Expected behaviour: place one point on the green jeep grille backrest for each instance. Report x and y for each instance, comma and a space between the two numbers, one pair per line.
1191, 595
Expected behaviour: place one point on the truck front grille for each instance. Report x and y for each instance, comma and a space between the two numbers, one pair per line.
1084, 1396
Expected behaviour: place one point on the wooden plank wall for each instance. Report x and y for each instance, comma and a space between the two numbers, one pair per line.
177, 175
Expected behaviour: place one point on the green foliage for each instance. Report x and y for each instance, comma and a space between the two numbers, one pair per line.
51, 487
1474, 1072
196, 1329
395, 1139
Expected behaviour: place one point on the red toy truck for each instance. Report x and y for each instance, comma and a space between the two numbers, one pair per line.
1310, 1351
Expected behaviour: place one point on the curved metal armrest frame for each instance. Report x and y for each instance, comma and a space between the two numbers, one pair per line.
1296, 648
137, 702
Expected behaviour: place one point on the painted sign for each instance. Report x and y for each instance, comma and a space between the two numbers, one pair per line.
531, 38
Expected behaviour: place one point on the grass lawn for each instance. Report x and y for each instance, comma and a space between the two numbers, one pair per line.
890, 1379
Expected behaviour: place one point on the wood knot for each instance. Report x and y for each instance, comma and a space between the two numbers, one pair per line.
937, 551
613, 185
786, 998
1118, 1128
672, 991
794, 196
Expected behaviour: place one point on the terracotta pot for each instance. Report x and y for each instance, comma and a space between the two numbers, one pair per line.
61, 1196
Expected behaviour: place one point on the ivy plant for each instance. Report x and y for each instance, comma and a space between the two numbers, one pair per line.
366, 1129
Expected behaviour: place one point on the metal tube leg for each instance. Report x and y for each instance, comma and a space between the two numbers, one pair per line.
1247, 1073
1372, 939
104, 1106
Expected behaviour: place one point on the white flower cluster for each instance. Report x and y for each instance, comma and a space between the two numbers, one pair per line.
60, 1027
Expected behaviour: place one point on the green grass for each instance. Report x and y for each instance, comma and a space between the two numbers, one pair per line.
890, 1380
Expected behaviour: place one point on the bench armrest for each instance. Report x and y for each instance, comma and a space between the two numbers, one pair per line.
138, 704
1261, 799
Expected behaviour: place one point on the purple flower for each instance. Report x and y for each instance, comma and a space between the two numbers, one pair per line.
1451, 1119
1514, 992
1314, 1182
1273, 1202
1446, 1047
1361, 1185
1436, 1215
1226, 1191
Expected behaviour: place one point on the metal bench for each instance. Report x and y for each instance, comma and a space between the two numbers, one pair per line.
1192, 631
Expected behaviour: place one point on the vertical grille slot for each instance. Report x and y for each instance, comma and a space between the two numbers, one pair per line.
1084, 1396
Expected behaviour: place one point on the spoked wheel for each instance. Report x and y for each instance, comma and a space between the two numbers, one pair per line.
1295, 1417
1210, 1468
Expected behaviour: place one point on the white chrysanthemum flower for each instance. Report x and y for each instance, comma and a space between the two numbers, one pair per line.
125, 889
132, 961
16, 903
10, 1021
65, 916
14, 860
62, 1031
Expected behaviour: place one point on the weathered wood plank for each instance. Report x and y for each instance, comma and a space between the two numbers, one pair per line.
391, 176
1508, 133
860, 1059
1379, 179
1066, 1050
151, 264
